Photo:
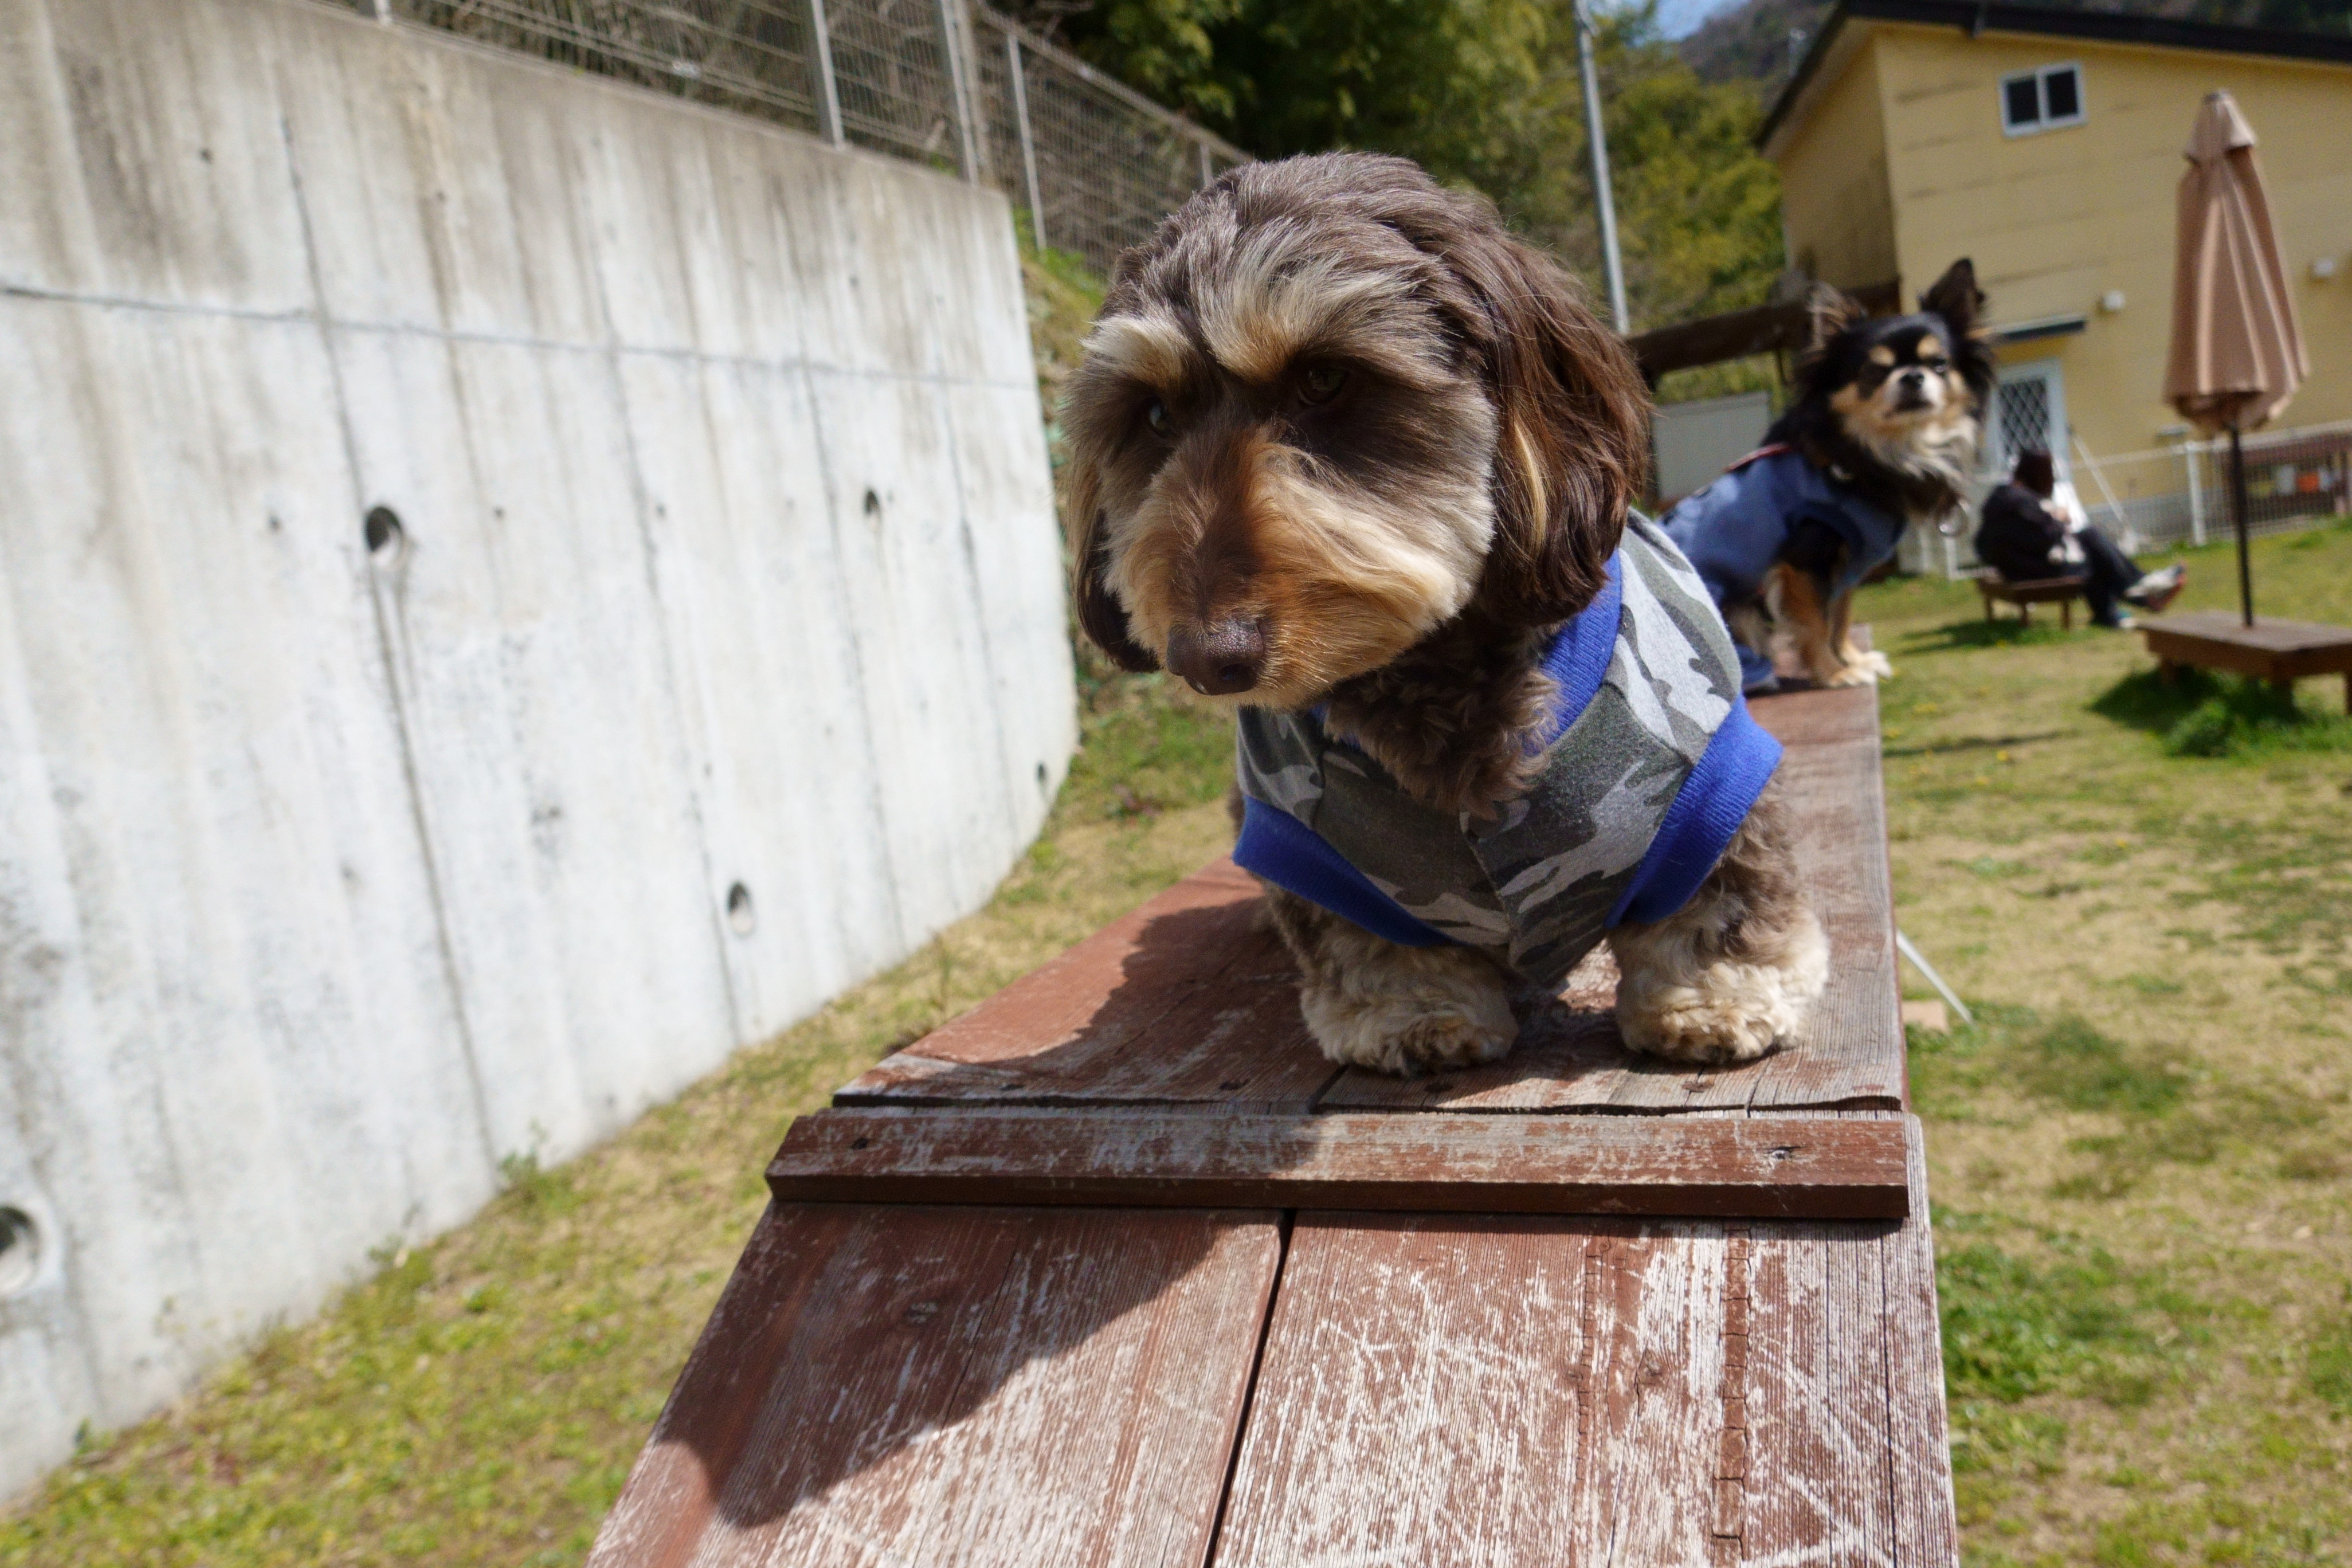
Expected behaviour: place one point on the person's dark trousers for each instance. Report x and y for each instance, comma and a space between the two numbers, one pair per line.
2109, 573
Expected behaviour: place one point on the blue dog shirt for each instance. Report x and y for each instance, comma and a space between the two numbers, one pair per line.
1731, 531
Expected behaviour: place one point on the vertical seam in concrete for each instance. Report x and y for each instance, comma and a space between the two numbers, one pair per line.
866, 718
409, 778
1015, 791
614, 351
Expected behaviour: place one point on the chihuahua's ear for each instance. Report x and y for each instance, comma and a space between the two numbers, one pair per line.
1829, 311
1956, 297
1572, 442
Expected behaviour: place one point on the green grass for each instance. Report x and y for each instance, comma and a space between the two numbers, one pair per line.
2139, 1152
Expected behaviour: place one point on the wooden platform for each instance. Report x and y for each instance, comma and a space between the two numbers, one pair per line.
2060, 591
1116, 1269
2281, 652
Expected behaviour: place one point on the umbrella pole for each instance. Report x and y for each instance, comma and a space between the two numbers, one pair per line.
2238, 508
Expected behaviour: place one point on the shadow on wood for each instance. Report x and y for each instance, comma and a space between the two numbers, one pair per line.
850, 1334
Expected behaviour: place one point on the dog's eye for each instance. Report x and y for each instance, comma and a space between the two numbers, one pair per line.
1322, 383
1163, 424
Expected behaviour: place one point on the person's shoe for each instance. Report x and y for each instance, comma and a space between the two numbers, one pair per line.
2115, 623
2155, 590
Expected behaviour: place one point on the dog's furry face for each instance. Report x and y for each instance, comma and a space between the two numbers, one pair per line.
1902, 395
1328, 408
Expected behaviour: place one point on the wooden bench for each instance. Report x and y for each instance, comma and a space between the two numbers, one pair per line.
2281, 652
1117, 1269
2060, 591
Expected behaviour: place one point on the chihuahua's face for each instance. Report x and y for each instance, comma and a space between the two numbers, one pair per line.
1906, 391
1894, 377
1297, 446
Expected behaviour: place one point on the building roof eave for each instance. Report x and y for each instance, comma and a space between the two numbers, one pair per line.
1976, 17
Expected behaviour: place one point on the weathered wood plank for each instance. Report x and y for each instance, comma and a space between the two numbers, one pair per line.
1926, 1517
1846, 1451
1493, 1391
1776, 1167
1417, 1402
984, 1387
1485, 1392
1187, 1000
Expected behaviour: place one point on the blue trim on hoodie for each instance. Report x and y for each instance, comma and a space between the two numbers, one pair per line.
1708, 810
1578, 659
1289, 854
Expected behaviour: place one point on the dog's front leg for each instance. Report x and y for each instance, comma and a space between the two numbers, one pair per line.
1371, 1003
1870, 663
1736, 970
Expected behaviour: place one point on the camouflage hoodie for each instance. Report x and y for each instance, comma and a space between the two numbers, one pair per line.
1652, 763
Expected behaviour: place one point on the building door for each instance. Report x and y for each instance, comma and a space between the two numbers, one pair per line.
2029, 410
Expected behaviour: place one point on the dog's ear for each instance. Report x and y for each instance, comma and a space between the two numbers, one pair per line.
1829, 311
1572, 446
1099, 613
1957, 299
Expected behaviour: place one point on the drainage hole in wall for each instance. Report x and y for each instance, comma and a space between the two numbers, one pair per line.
740, 916
873, 507
386, 540
20, 1252
1041, 777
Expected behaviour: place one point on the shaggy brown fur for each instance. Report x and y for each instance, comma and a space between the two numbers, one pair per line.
1340, 440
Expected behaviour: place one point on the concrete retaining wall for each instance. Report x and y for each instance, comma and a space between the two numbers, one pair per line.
725, 555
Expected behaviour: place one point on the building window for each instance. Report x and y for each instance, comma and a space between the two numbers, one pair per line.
2042, 99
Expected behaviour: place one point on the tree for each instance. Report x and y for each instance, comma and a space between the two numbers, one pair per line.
1483, 93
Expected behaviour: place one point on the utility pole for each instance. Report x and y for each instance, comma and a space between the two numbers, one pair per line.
1612, 262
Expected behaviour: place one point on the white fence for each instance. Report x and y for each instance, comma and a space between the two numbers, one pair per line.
2296, 479
511, 588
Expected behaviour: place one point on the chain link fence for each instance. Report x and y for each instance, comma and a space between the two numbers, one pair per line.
1094, 164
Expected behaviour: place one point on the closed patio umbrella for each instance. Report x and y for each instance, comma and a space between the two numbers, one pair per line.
2237, 354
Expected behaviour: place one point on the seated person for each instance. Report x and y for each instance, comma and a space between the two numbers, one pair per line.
2027, 539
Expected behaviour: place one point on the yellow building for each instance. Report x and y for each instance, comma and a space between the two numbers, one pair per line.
2047, 146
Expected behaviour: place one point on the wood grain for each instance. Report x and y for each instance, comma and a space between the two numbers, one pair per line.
994, 1388
1512, 1390
1778, 1167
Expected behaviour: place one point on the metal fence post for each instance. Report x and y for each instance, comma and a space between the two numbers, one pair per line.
958, 99
1208, 167
1028, 141
2196, 493
828, 96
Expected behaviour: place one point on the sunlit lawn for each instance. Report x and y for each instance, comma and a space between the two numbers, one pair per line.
2141, 1155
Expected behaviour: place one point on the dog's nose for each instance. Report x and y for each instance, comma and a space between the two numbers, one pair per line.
1220, 660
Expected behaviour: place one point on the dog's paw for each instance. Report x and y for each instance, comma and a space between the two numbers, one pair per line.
1424, 1030
1865, 669
1726, 1010
1717, 1025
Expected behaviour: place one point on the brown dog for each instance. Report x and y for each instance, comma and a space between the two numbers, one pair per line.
1348, 456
